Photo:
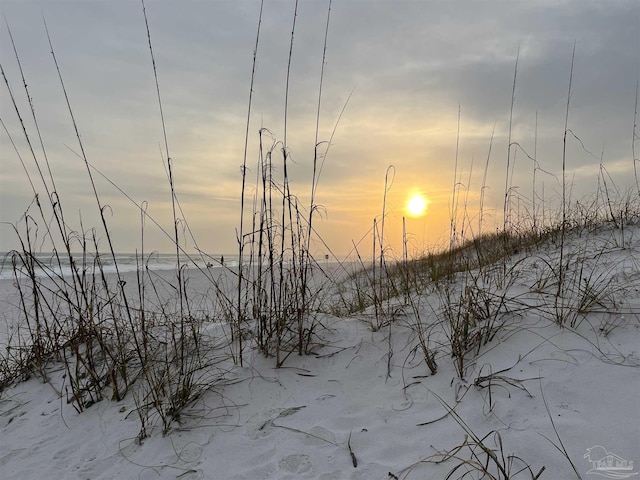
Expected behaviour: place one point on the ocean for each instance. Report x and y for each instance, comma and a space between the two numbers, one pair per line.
47, 264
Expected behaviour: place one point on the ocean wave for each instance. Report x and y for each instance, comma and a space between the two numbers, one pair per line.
50, 265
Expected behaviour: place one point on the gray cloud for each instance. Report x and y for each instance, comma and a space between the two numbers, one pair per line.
411, 64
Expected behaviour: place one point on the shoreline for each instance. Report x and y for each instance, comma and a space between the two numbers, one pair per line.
202, 286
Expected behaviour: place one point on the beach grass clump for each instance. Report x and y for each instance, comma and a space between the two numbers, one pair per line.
277, 295
95, 327
279, 282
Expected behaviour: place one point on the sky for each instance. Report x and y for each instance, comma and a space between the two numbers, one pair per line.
406, 85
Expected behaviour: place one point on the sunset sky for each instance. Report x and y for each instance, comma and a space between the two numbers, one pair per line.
402, 70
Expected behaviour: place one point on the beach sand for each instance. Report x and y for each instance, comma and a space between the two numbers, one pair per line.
339, 413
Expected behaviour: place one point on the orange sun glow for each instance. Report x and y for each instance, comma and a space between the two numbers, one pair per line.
416, 205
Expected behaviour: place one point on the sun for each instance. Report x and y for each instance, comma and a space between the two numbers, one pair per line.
416, 205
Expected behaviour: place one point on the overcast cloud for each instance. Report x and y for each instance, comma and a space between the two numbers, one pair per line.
410, 65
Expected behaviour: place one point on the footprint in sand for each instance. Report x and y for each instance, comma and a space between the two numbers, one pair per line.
296, 464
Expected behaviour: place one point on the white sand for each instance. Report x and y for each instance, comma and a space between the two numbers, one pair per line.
302, 420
